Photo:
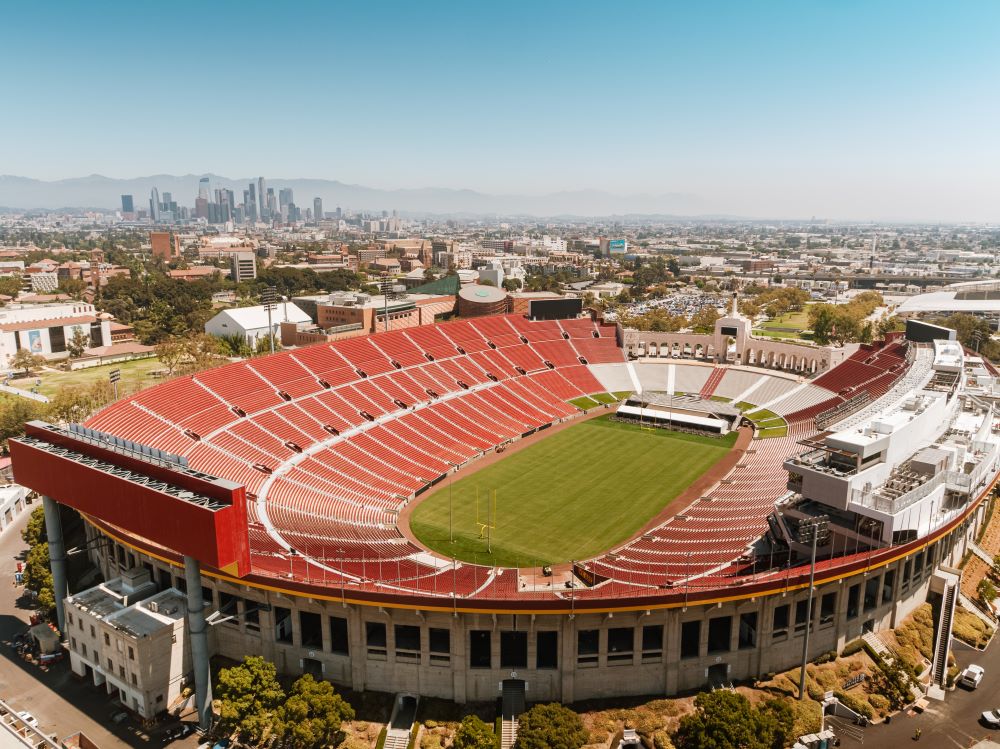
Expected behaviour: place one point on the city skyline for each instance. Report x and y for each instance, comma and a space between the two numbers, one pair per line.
848, 110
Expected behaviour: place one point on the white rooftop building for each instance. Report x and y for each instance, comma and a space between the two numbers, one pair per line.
132, 640
251, 323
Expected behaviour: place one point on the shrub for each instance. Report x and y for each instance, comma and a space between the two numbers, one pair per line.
807, 716
661, 740
878, 702
855, 646
857, 705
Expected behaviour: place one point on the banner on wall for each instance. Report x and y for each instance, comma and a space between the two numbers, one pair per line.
35, 341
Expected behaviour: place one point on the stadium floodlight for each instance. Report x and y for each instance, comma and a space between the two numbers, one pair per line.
270, 299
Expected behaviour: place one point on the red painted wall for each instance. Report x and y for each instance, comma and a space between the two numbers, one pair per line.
216, 538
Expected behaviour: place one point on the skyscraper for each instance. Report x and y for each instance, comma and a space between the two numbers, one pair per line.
154, 205
317, 209
128, 206
251, 203
285, 197
203, 188
262, 206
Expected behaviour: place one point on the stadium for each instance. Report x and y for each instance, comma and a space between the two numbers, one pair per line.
433, 511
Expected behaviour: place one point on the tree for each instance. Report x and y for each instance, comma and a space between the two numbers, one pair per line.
986, 591
26, 360
14, 411
73, 287
10, 286
703, 321
235, 344
551, 726
473, 733
38, 576
71, 404
726, 720
78, 343
34, 531
312, 715
249, 698
189, 353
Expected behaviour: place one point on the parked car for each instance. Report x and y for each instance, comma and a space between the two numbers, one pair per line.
992, 718
971, 676
178, 732
28, 718
119, 718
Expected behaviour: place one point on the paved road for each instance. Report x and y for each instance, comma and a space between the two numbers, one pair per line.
951, 724
62, 703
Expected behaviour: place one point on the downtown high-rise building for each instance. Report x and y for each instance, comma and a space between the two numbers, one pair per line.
154, 204
203, 188
250, 203
263, 208
285, 197
317, 209
128, 205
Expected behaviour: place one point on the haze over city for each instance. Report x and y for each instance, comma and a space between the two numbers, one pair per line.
850, 111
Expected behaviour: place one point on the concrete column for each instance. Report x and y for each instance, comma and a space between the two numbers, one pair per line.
57, 557
199, 642
459, 659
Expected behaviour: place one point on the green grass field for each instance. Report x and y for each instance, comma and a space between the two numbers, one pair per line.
587, 402
136, 375
570, 496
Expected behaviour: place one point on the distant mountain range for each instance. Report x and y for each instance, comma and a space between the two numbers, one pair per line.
97, 191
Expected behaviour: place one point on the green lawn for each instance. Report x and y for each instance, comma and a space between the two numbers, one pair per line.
798, 320
587, 402
584, 401
135, 376
570, 496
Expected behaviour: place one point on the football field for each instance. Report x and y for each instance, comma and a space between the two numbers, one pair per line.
570, 496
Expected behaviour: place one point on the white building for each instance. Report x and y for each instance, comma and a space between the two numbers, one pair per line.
45, 329
12, 504
251, 323
132, 640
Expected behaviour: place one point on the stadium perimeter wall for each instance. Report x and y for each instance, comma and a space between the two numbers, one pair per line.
670, 653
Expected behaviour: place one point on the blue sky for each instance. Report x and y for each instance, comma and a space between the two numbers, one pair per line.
840, 108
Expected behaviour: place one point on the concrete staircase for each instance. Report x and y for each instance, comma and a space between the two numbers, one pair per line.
971, 606
980, 552
512, 704
508, 733
397, 739
942, 645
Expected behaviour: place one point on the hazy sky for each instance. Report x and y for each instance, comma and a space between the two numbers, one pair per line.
837, 109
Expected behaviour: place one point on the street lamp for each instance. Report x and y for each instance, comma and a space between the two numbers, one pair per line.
270, 299
809, 528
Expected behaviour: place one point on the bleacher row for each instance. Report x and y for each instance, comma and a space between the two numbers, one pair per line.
702, 546
394, 412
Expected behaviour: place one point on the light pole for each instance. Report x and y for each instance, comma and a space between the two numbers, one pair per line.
270, 299
816, 526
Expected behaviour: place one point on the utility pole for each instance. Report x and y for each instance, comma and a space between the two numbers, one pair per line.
816, 525
270, 299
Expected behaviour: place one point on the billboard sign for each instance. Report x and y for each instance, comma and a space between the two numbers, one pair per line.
617, 246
